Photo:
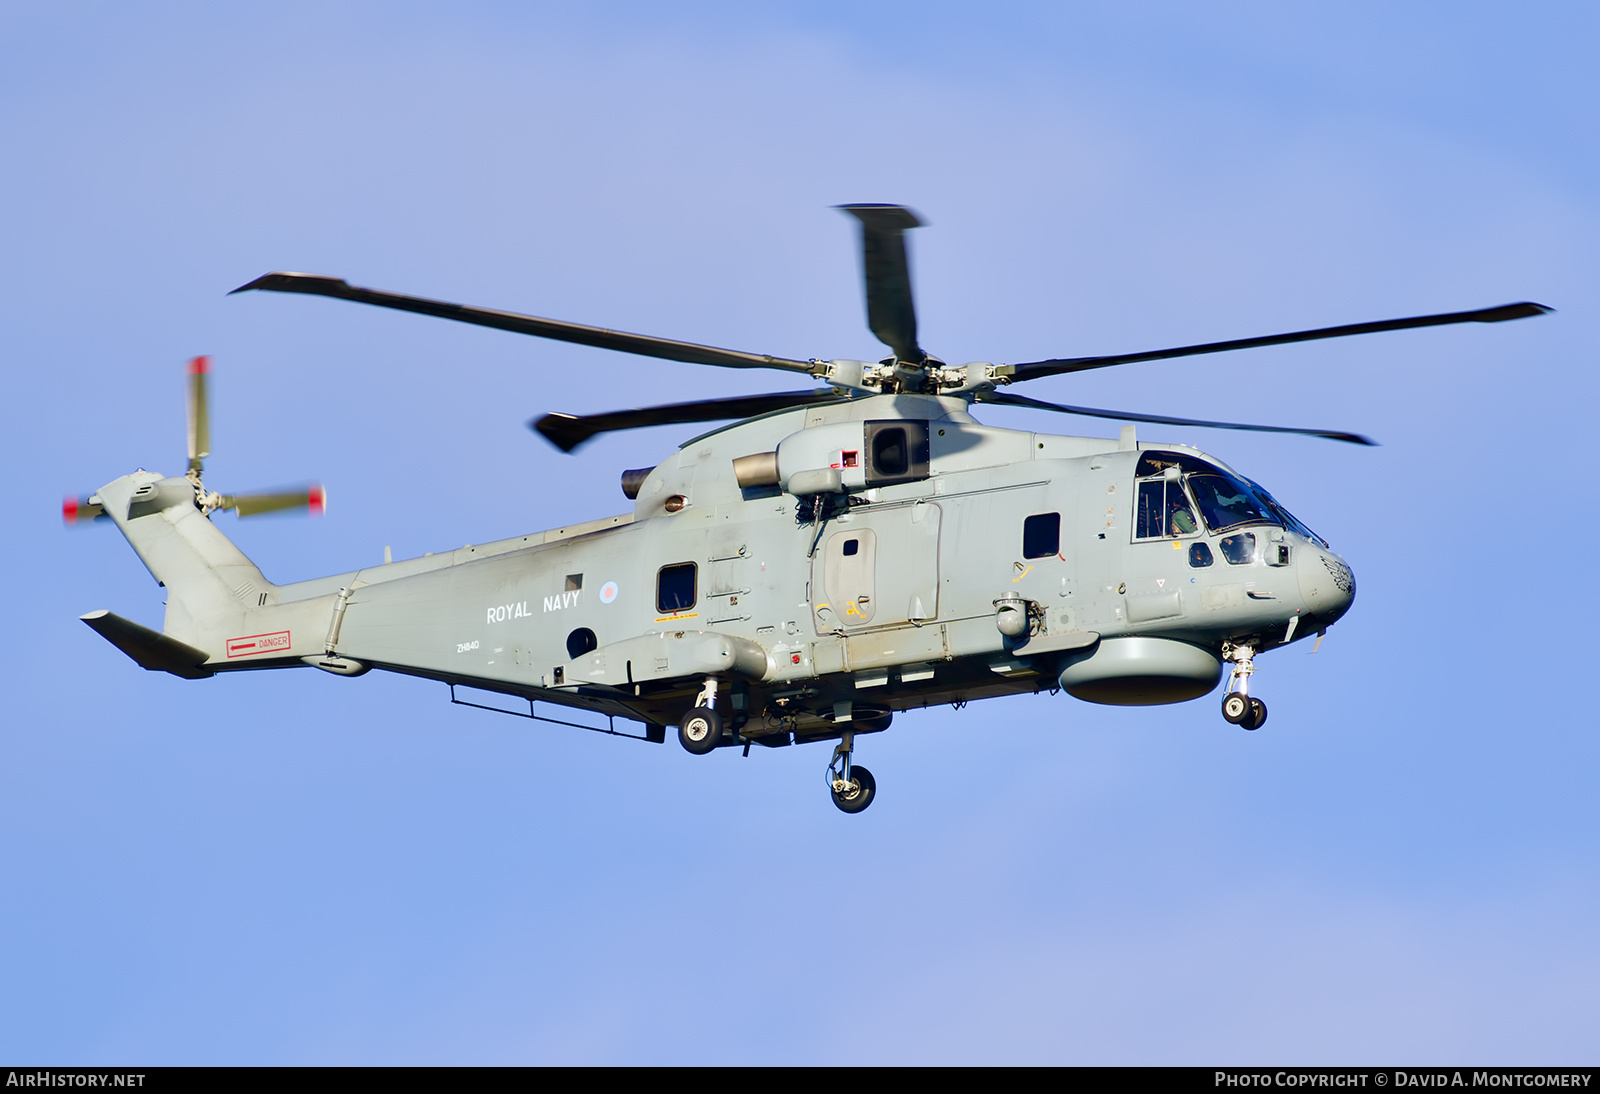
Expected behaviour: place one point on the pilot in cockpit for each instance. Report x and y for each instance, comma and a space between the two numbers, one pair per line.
1180, 521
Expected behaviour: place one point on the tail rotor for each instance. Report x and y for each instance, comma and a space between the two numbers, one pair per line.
311, 499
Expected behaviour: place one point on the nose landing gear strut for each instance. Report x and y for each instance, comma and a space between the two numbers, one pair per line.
1239, 707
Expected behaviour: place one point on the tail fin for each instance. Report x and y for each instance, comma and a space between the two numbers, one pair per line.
210, 583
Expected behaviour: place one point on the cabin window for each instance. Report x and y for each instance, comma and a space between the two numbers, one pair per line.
1239, 550
1041, 535
852, 546
675, 588
1200, 554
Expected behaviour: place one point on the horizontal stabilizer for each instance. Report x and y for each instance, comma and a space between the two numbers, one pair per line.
151, 649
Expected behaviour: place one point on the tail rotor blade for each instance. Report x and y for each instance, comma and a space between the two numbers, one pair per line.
311, 499
82, 511
199, 413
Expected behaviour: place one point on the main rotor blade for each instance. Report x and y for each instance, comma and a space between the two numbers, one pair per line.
643, 344
313, 499
891, 313
1005, 398
568, 431
199, 412
1032, 370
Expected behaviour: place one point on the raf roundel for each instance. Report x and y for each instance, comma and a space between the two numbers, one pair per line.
608, 592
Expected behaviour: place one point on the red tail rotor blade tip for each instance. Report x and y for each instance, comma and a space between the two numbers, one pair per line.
69, 510
200, 364
318, 501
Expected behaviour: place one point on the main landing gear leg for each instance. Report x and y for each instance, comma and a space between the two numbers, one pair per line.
1238, 705
701, 728
851, 785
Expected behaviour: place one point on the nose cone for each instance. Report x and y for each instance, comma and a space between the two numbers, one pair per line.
1326, 583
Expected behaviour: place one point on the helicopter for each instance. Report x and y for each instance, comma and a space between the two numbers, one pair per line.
833, 557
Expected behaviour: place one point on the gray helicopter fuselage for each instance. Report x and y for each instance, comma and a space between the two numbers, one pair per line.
827, 590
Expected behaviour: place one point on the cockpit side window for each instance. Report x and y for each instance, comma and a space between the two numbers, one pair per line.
1162, 509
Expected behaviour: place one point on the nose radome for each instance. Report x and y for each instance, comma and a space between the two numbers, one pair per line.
1327, 584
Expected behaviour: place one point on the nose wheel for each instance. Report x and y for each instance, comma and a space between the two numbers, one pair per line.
1239, 707
1244, 711
851, 785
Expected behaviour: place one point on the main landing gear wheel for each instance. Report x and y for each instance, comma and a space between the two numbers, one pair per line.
1236, 708
852, 787
700, 731
858, 792
1258, 715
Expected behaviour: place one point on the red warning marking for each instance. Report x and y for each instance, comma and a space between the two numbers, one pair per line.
200, 364
258, 643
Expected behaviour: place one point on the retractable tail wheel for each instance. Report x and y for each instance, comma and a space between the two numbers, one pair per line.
858, 793
700, 731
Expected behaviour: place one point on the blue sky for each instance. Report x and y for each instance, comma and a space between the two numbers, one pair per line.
294, 868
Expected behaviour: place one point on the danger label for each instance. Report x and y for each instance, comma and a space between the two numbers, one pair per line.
253, 644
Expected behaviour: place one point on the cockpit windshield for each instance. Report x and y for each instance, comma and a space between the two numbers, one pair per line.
1224, 499
1290, 521
1227, 502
